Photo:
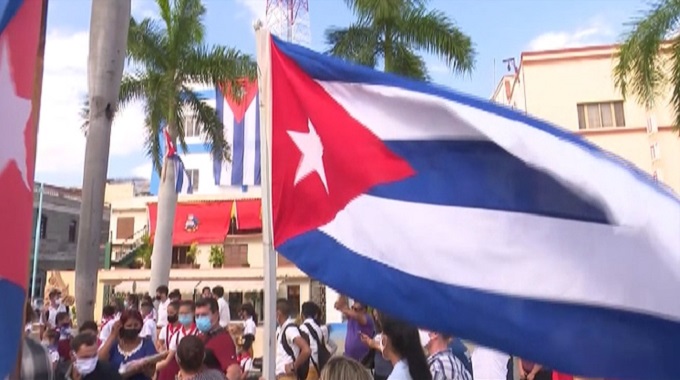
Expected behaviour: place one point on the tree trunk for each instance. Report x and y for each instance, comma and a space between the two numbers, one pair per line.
161, 258
109, 24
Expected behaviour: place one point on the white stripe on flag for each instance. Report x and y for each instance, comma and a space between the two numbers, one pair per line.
461, 243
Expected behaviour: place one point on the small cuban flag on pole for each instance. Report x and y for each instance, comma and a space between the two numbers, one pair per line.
465, 217
183, 182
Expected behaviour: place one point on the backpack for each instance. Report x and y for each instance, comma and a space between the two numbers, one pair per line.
303, 370
323, 355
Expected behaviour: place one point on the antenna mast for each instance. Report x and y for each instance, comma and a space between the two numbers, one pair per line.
289, 19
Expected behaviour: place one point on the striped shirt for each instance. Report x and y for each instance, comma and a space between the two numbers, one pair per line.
444, 365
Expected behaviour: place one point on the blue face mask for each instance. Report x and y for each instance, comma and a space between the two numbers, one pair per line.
203, 323
186, 319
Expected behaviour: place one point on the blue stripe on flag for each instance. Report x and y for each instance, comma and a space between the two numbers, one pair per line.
541, 330
8, 8
219, 110
12, 322
238, 148
328, 68
257, 141
489, 178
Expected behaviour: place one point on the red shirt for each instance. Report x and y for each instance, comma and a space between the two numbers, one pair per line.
223, 347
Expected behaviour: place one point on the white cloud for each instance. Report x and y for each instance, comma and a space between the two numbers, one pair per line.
61, 144
142, 171
256, 8
596, 32
144, 9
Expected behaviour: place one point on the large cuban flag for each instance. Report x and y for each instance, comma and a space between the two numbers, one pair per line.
241, 118
466, 217
20, 31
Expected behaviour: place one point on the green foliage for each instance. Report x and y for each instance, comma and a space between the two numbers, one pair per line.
144, 250
165, 56
395, 31
191, 253
648, 61
216, 256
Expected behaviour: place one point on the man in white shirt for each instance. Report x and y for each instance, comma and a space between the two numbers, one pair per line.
163, 302
292, 351
225, 314
149, 326
309, 311
489, 364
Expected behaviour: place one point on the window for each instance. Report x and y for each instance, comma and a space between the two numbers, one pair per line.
654, 151
193, 175
600, 115
191, 127
236, 255
235, 301
283, 262
179, 255
293, 295
72, 229
43, 227
658, 175
652, 126
125, 228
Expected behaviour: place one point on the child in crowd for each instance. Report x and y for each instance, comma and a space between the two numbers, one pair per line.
63, 327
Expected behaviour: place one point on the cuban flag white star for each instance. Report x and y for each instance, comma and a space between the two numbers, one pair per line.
15, 112
311, 147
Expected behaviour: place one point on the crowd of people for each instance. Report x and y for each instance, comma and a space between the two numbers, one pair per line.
168, 338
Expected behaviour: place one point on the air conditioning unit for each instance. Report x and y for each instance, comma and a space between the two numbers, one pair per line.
652, 126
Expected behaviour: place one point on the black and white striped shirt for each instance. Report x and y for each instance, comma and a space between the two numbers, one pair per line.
444, 365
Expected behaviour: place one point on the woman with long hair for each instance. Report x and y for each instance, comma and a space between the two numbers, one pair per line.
124, 345
344, 368
402, 347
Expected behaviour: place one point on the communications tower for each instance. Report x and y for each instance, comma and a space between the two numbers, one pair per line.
289, 20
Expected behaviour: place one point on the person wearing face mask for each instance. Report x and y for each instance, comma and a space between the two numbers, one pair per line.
124, 345
402, 347
220, 346
168, 368
163, 341
86, 364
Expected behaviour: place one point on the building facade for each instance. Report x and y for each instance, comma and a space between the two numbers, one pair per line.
575, 89
58, 232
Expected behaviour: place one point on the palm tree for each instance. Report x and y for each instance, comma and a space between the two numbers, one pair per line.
168, 55
108, 37
84, 114
395, 31
649, 58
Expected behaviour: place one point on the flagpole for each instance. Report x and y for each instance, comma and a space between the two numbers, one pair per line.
36, 240
269, 259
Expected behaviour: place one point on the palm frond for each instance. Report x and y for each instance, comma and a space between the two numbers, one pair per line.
154, 120
355, 43
186, 30
146, 44
210, 65
675, 82
408, 64
210, 124
433, 32
640, 70
84, 114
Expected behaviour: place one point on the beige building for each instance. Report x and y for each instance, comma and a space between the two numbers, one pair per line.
217, 240
574, 89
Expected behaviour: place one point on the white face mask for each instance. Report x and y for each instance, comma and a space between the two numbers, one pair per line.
57, 301
85, 366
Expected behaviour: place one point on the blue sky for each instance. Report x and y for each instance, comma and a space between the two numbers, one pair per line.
499, 29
